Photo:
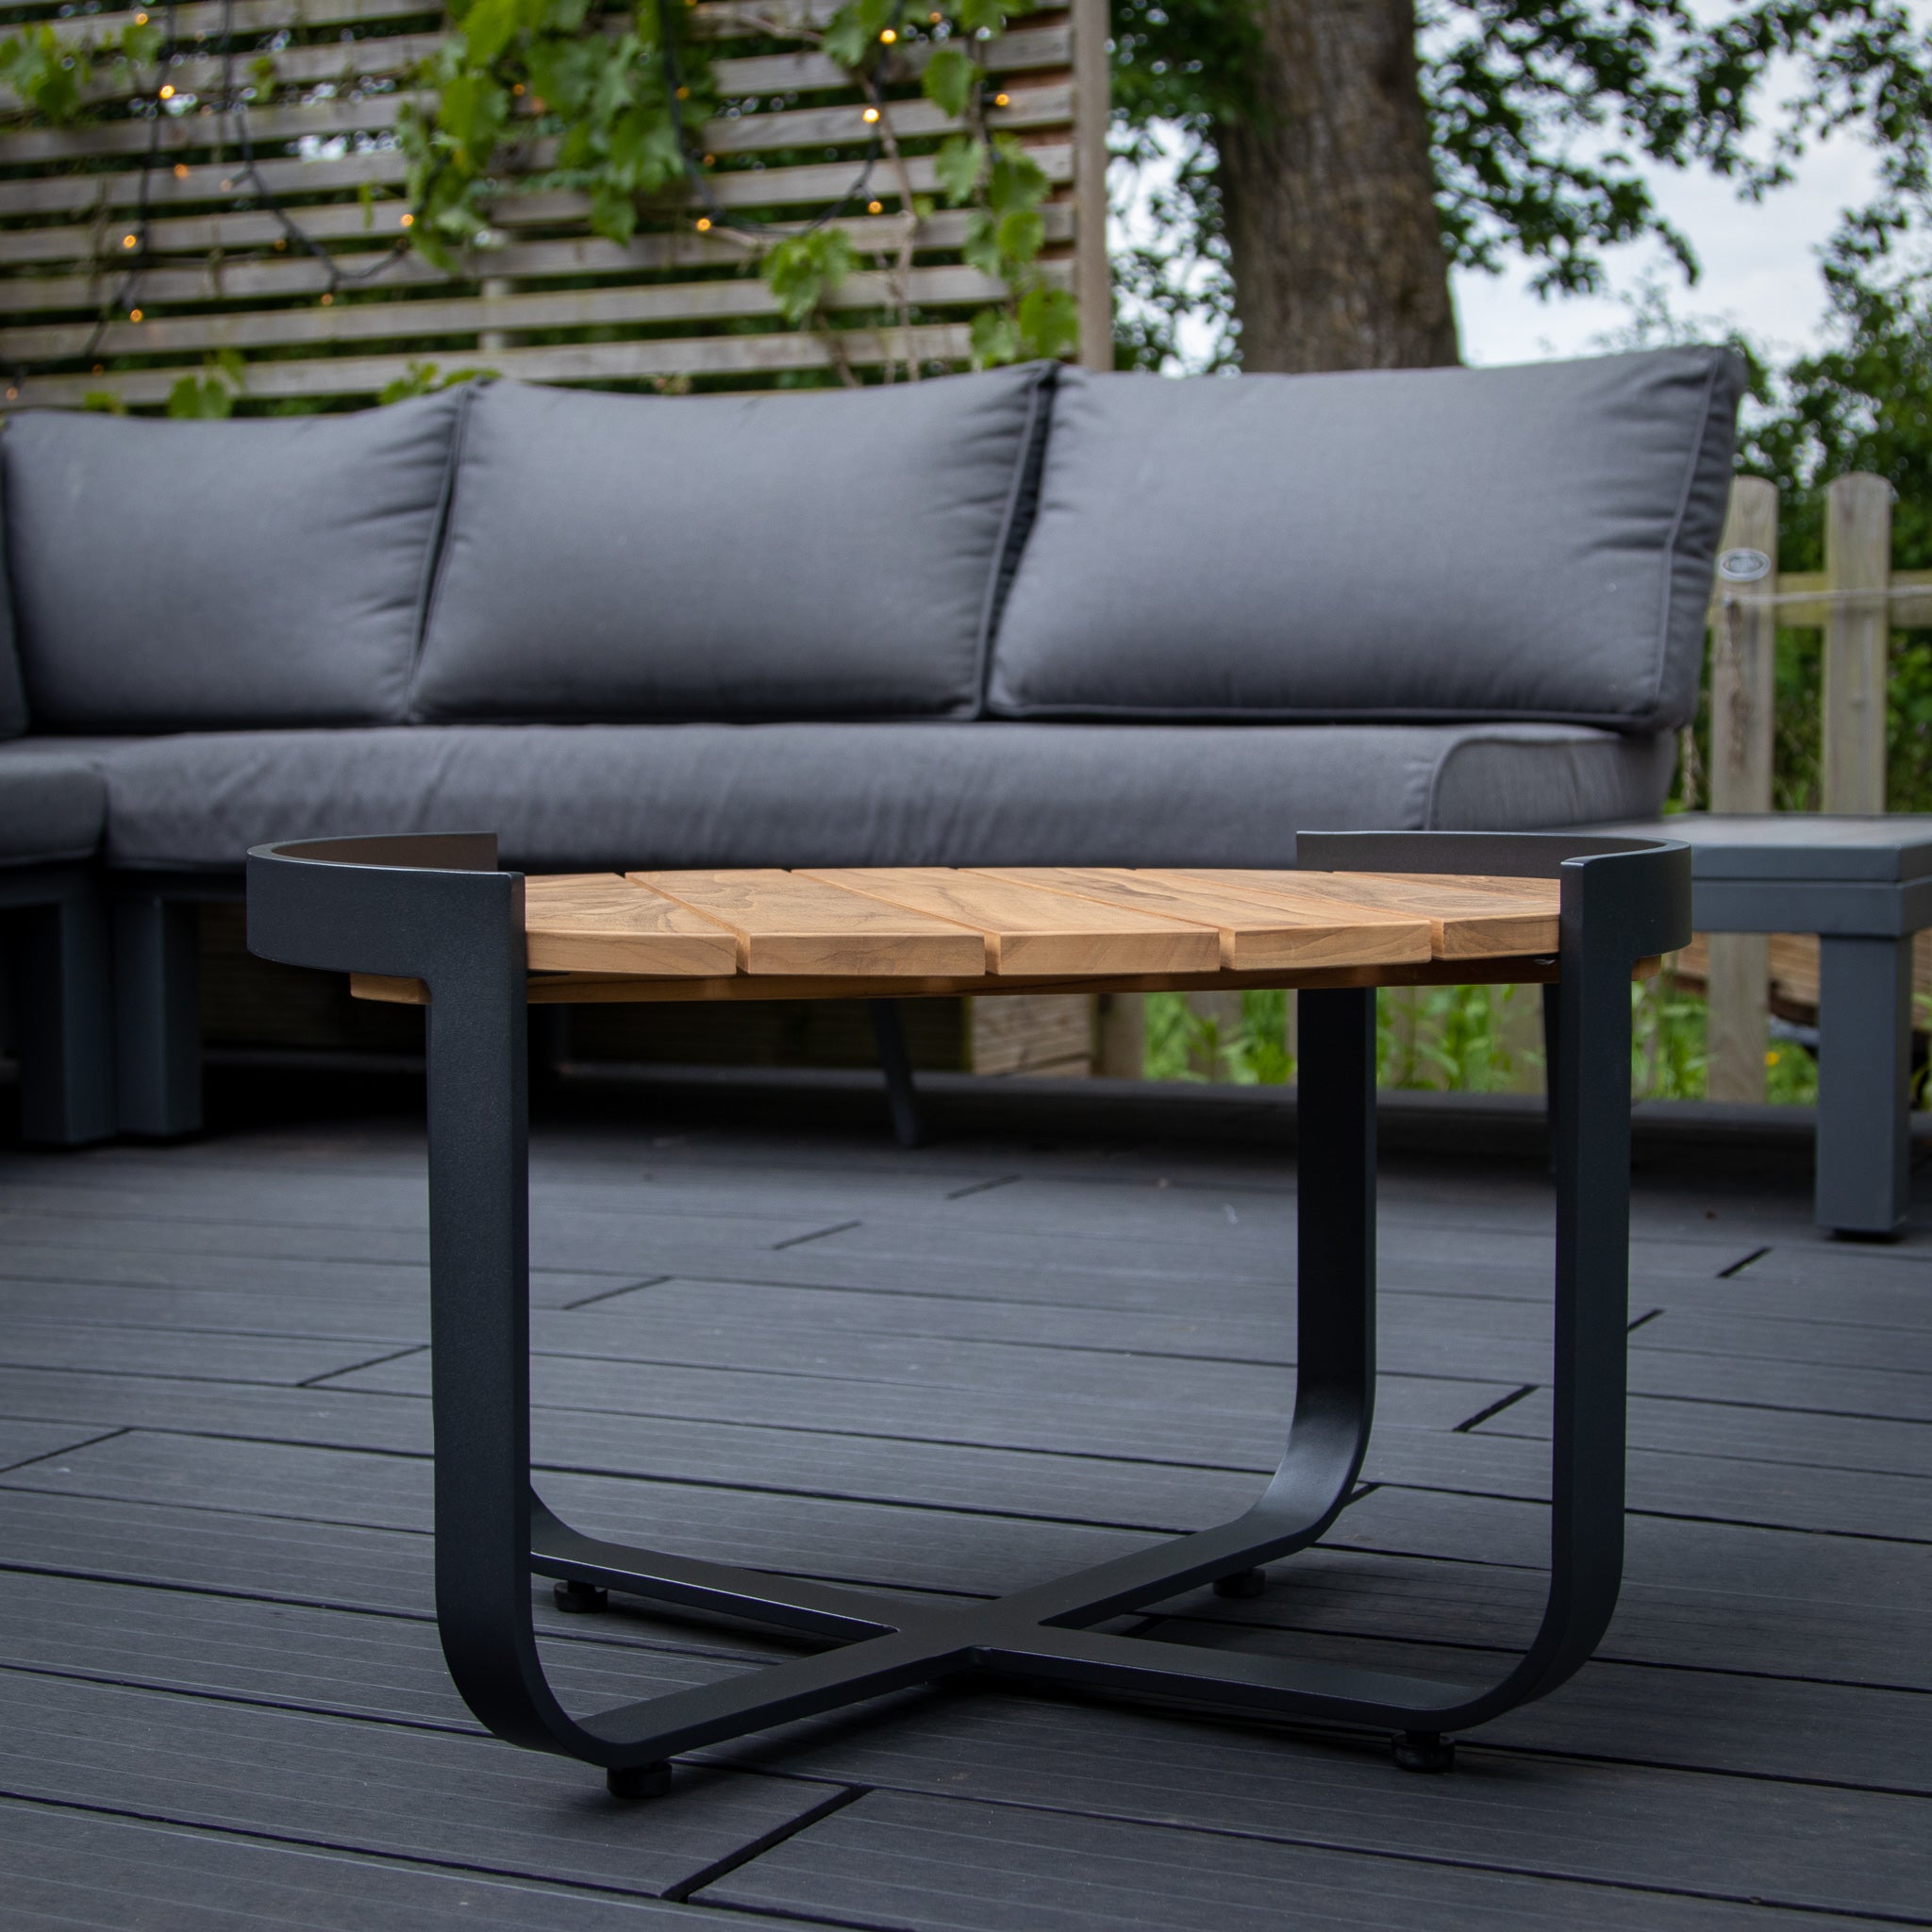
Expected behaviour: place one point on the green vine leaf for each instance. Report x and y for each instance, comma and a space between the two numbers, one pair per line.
525, 67
205, 399
1020, 236
995, 338
951, 75
983, 16
1049, 322
959, 167
802, 270
852, 36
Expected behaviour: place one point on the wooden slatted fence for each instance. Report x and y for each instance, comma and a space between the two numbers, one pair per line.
132, 250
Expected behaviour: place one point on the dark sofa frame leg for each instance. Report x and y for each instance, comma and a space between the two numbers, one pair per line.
157, 1013
895, 1063
437, 911
64, 1007
1864, 1084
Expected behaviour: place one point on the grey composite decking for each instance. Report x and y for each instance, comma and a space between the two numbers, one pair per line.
766, 1334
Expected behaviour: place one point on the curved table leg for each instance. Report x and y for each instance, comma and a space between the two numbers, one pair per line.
436, 910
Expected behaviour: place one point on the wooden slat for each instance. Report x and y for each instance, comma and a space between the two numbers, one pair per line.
800, 127
231, 233
196, 132
1253, 937
204, 19
1469, 919
383, 321
598, 922
349, 376
791, 922
1026, 50
812, 183
1032, 930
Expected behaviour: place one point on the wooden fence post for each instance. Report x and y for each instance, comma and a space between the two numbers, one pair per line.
1858, 558
1092, 277
1743, 637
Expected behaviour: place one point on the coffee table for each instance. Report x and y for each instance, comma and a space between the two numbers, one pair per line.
431, 920
1864, 886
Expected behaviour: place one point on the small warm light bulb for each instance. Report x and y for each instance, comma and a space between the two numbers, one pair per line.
518, 89
888, 37
12, 394
134, 315
870, 114
875, 208
327, 300
1003, 100
709, 160
409, 221
127, 241
704, 224
684, 93
181, 171
168, 92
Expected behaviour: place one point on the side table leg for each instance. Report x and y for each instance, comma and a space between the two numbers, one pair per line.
1864, 1084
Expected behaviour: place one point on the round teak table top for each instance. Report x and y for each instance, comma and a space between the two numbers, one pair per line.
843, 933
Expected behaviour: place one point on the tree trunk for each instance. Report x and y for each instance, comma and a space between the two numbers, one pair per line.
1328, 195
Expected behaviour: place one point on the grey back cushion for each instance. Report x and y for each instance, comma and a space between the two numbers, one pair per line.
1530, 542
791, 554
174, 576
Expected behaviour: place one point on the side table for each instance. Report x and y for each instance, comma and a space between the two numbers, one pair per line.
431, 921
1864, 886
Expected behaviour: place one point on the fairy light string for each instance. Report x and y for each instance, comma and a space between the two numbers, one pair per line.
131, 253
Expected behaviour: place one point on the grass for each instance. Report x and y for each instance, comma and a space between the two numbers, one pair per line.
1455, 1039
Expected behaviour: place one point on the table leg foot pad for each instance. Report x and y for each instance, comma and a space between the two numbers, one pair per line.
1424, 1751
1242, 1586
634, 1781
580, 1599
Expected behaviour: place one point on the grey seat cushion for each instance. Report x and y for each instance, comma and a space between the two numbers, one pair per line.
794, 555
591, 796
180, 576
53, 805
1532, 542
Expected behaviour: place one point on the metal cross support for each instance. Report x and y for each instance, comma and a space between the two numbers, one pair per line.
436, 910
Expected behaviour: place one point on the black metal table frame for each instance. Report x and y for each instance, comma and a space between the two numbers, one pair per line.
436, 909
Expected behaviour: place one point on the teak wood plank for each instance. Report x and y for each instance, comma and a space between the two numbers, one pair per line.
793, 922
1031, 929
1469, 918
1253, 938
599, 923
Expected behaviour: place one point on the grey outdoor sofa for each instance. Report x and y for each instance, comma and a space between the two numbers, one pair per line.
1028, 616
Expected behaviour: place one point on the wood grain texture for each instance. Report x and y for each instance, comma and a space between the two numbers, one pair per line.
602, 922
1469, 918
1028, 929
1253, 937
792, 922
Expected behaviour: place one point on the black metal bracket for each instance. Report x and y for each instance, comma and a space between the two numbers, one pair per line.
437, 909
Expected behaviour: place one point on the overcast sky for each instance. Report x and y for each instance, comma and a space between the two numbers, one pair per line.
1759, 267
